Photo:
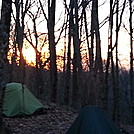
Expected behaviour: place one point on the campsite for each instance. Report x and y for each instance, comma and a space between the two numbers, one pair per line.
55, 120
26, 111
66, 66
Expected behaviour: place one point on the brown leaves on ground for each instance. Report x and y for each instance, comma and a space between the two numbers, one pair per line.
53, 120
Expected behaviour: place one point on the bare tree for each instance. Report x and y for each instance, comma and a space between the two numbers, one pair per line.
4, 43
110, 53
131, 60
78, 78
52, 48
21, 8
37, 48
86, 98
96, 69
68, 70
116, 91
110, 61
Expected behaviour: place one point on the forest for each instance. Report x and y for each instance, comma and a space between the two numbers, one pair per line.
72, 53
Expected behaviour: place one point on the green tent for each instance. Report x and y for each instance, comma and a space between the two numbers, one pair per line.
93, 120
18, 100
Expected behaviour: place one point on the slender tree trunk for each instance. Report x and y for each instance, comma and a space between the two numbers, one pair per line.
68, 68
110, 53
78, 79
52, 48
85, 95
4, 42
98, 59
96, 68
16, 38
116, 92
19, 4
111, 56
20, 43
76, 98
92, 90
68, 71
39, 77
36, 43
131, 62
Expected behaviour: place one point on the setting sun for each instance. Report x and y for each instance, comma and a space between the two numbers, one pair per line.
29, 55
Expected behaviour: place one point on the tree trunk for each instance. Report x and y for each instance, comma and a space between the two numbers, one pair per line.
19, 31
96, 70
92, 95
98, 59
52, 48
109, 54
116, 92
68, 71
88, 83
131, 61
4, 42
78, 78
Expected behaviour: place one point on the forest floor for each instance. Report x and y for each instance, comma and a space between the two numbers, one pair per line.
53, 120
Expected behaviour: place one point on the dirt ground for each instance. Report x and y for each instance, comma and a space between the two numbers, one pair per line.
53, 120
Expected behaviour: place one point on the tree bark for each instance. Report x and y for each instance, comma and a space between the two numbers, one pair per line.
78, 78
4, 42
131, 61
96, 68
68, 71
52, 48
98, 60
116, 92
92, 90
109, 54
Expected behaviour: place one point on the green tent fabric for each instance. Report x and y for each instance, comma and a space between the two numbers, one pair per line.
93, 120
18, 100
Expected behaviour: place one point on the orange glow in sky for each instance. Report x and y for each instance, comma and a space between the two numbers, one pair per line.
29, 55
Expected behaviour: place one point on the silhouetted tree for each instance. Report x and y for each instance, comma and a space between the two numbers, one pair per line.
131, 60
68, 70
4, 44
96, 69
110, 54
52, 48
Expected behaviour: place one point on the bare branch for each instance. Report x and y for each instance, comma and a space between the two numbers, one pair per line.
43, 11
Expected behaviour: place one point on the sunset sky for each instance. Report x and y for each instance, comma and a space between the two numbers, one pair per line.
124, 49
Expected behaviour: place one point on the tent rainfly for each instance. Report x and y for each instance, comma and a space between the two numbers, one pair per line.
93, 120
18, 100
